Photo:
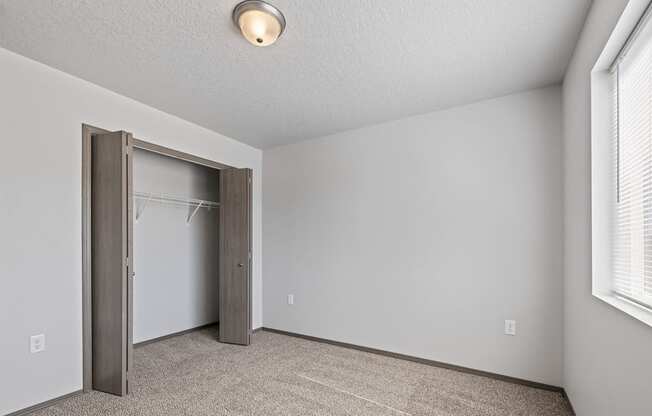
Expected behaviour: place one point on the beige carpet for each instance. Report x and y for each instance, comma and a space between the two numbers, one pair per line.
279, 375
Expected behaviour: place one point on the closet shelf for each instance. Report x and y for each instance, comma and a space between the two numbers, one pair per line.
148, 197
175, 200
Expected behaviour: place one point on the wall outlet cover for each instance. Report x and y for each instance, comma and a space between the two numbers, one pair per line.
290, 299
510, 327
37, 343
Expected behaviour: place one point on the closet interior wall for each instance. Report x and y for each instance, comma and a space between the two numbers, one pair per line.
176, 261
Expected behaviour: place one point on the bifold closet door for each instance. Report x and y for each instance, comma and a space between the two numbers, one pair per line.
112, 264
235, 256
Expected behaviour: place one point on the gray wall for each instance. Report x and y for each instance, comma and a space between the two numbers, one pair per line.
41, 114
176, 264
421, 236
607, 354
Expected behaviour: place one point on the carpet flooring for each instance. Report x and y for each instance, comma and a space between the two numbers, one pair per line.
193, 374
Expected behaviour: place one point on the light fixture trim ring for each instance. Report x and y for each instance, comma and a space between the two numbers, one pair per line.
259, 5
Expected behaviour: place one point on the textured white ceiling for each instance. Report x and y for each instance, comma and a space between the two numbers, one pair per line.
341, 64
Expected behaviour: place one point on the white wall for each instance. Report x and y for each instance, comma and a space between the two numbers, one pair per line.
421, 236
176, 263
41, 113
607, 359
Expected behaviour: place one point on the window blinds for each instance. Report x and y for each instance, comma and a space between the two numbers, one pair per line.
632, 215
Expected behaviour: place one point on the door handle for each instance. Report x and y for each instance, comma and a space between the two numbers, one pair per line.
240, 265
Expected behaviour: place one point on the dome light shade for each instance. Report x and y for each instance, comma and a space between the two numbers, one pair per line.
259, 22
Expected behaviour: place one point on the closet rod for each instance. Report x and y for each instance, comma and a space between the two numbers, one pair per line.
175, 200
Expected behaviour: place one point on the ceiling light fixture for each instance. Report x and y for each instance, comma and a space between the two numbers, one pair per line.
259, 22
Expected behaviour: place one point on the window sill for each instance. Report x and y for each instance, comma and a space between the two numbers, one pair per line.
630, 308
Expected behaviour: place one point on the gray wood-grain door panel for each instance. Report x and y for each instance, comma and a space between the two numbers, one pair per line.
111, 235
235, 256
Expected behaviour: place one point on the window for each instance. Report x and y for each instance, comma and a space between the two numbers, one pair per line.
621, 166
632, 155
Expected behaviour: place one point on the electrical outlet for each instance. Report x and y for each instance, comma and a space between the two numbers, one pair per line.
37, 343
290, 299
510, 327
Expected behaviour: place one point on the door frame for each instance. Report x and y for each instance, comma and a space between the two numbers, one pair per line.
87, 329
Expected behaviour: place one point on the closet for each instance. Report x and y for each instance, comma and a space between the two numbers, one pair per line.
176, 212
167, 242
